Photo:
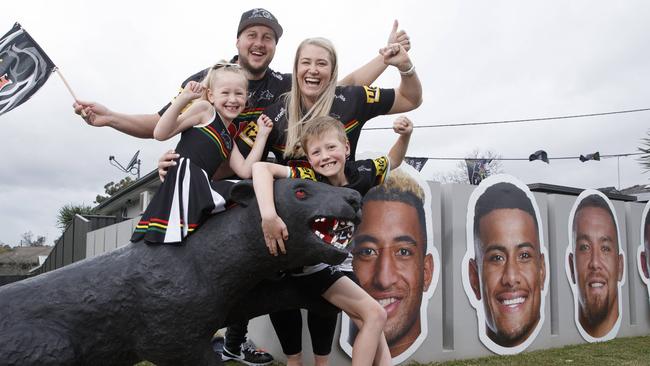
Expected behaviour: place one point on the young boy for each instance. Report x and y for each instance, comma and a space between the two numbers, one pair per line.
325, 143
327, 148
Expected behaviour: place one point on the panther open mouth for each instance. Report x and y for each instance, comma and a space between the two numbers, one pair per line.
333, 231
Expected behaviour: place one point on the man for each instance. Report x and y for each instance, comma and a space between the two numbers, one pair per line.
596, 265
508, 270
257, 36
391, 259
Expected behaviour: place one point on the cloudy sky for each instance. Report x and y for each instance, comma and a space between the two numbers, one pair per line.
478, 61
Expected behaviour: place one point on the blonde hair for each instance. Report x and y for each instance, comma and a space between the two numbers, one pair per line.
212, 77
296, 116
317, 127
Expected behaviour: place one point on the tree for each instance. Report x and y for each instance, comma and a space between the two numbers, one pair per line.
27, 240
111, 188
459, 174
68, 211
644, 160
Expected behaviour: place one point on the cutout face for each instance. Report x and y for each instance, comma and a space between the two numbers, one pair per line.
395, 260
643, 253
595, 266
504, 269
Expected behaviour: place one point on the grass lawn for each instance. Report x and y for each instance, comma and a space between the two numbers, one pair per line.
622, 351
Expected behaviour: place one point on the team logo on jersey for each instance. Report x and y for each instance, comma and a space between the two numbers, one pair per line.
277, 75
249, 133
305, 173
381, 167
280, 114
340, 96
226, 139
372, 94
265, 95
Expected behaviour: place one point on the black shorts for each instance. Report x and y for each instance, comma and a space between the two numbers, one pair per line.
319, 282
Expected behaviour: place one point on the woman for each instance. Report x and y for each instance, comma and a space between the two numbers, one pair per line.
314, 93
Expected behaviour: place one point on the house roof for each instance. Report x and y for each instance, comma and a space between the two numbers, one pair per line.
130, 193
19, 255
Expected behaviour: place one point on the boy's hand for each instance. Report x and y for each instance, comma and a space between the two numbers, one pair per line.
192, 90
264, 125
166, 160
275, 233
403, 126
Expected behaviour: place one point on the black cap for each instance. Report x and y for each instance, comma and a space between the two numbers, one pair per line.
259, 16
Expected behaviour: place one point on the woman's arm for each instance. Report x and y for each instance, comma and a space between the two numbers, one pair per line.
408, 95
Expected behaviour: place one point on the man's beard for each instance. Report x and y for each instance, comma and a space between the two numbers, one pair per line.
256, 71
514, 337
595, 310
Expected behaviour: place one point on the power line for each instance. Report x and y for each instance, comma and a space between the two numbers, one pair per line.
517, 120
525, 159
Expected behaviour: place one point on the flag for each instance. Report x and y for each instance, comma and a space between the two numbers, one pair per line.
477, 170
24, 68
594, 156
539, 155
417, 163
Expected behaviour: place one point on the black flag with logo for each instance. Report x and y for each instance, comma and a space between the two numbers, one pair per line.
594, 156
539, 155
417, 163
477, 170
24, 68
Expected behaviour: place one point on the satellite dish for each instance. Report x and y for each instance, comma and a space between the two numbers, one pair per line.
134, 160
134, 164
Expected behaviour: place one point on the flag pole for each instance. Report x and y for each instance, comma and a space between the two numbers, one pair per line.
66, 84
83, 113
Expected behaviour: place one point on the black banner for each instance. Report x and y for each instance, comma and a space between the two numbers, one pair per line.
24, 68
417, 163
477, 170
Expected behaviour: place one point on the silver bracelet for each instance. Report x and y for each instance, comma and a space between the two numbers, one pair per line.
408, 72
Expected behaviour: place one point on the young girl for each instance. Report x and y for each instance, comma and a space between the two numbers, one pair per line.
325, 143
187, 196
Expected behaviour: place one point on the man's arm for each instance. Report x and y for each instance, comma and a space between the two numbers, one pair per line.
137, 125
368, 73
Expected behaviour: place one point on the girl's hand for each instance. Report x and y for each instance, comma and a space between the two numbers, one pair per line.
395, 55
275, 233
166, 160
192, 90
264, 125
403, 126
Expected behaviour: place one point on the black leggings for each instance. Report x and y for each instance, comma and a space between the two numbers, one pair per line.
321, 325
288, 327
